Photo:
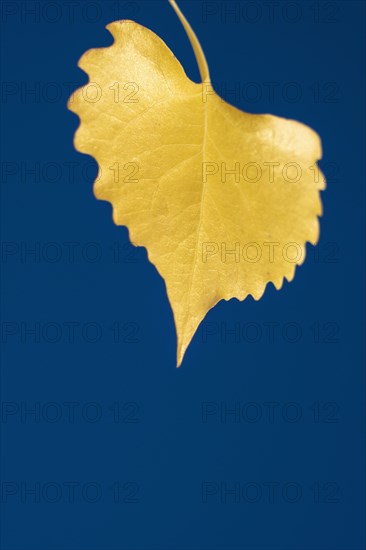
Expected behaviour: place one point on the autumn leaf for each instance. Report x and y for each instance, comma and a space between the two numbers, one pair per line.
224, 201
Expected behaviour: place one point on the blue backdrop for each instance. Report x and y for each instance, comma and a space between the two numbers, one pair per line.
257, 441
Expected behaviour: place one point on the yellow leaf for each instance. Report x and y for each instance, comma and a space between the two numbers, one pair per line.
224, 201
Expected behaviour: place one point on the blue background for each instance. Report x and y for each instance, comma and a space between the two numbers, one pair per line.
162, 449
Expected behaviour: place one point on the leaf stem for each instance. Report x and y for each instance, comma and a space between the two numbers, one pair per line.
198, 52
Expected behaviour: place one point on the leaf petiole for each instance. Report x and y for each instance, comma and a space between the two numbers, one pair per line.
198, 52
